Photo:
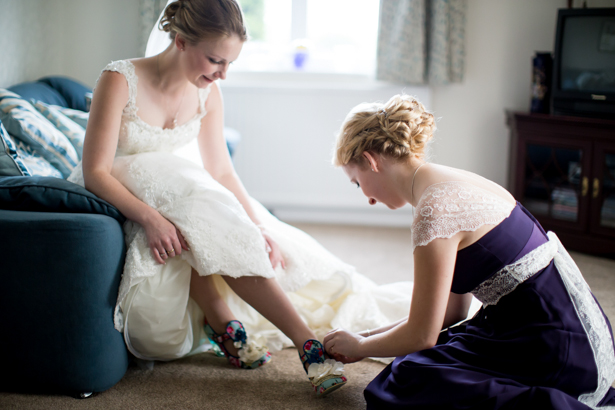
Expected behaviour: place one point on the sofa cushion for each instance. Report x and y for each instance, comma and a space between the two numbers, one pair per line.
73, 91
36, 90
25, 123
10, 163
47, 194
73, 131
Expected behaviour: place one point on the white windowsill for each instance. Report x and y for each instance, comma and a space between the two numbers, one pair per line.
308, 81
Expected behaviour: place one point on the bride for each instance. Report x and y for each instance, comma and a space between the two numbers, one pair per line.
205, 262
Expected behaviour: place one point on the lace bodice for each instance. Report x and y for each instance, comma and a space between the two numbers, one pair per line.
137, 136
449, 207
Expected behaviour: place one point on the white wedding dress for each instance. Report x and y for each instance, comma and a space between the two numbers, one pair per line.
154, 310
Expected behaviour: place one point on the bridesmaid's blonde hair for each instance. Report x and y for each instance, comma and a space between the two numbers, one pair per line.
196, 20
399, 128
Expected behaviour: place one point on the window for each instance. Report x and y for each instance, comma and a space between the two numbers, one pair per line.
318, 36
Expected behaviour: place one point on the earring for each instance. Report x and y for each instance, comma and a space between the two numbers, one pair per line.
372, 169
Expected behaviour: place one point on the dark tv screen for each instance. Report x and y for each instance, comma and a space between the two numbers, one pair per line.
588, 54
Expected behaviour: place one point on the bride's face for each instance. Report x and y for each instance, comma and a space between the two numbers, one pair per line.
208, 60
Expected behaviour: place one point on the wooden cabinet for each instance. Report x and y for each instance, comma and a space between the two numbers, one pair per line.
562, 169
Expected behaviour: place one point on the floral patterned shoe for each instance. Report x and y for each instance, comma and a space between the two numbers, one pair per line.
251, 354
326, 375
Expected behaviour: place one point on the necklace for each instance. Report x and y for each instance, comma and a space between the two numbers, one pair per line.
412, 186
414, 176
183, 94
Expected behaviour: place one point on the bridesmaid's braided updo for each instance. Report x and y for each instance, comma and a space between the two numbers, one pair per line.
196, 20
398, 129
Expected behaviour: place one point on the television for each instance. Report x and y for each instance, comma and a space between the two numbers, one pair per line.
584, 63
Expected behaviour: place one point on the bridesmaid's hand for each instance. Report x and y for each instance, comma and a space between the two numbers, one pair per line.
275, 255
164, 239
345, 359
343, 345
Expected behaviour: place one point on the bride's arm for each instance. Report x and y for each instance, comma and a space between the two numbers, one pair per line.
214, 152
434, 266
108, 102
217, 162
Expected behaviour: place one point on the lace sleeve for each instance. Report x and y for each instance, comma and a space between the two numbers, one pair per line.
127, 69
450, 207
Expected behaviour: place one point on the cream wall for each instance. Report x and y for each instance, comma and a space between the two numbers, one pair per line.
27, 43
65, 37
284, 158
287, 129
501, 38
96, 33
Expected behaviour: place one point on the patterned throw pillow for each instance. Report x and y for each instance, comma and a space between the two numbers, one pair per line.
35, 164
25, 123
73, 131
10, 163
88, 101
80, 117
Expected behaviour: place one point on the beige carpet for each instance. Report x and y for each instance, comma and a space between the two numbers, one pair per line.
207, 382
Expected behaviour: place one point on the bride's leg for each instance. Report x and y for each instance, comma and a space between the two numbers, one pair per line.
204, 292
268, 298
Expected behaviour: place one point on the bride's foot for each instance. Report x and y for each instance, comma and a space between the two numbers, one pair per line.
326, 375
235, 345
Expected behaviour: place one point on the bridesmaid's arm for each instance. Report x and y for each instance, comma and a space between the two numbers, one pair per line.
434, 267
217, 161
456, 311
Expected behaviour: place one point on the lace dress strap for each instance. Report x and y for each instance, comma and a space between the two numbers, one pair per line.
127, 69
203, 94
449, 207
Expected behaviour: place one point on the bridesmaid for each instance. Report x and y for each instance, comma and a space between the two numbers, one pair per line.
540, 339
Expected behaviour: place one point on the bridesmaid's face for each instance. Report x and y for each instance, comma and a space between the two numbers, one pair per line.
208, 60
376, 185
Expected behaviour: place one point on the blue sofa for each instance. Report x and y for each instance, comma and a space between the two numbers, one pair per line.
64, 254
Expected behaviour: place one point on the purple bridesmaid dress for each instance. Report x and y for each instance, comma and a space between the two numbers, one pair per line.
527, 351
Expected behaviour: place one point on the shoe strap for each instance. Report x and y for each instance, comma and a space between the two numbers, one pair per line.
313, 345
236, 327
211, 333
221, 338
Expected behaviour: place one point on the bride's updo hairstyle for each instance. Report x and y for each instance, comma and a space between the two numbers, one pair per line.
398, 129
197, 20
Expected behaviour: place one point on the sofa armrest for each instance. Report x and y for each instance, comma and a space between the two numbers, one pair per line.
60, 277
49, 194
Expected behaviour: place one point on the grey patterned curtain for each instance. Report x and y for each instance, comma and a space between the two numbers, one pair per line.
149, 11
421, 41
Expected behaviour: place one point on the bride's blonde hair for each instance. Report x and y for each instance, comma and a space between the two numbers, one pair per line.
196, 20
399, 128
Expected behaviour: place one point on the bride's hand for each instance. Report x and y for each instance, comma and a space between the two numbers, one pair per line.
275, 255
164, 239
343, 345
